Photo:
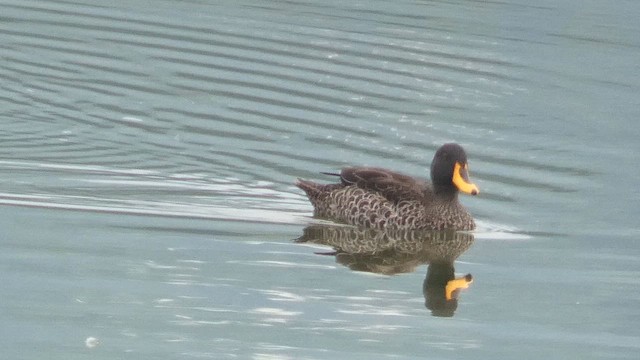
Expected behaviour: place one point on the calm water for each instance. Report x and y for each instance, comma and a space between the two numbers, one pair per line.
148, 151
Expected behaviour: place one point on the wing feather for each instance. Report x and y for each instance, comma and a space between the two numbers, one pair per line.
394, 186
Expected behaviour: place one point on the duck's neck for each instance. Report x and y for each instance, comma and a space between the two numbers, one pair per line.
446, 192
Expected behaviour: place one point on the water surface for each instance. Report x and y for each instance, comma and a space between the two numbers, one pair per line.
148, 153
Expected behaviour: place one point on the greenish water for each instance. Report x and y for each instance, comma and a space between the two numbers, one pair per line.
148, 153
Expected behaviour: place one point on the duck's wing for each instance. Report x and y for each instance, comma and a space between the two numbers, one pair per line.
394, 186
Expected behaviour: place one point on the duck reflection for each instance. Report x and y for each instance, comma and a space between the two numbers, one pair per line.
393, 252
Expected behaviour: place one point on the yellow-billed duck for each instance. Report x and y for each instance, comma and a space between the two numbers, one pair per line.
382, 199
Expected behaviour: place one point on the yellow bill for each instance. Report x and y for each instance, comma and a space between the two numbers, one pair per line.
461, 180
456, 285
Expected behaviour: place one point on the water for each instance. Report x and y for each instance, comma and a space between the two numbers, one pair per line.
148, 152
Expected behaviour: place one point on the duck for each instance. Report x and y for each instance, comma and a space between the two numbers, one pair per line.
378, 198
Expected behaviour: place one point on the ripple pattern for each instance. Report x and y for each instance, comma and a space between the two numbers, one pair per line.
271, 91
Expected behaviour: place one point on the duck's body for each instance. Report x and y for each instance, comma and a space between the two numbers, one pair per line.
383, 199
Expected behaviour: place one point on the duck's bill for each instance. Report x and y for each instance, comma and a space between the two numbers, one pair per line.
454, 286
461, 180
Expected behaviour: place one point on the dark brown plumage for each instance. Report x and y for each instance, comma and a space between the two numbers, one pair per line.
383, 199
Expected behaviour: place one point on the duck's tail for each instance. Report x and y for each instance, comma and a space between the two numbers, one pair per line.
316, 192
309, 187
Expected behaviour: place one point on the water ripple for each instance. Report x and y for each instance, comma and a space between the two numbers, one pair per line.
260, 97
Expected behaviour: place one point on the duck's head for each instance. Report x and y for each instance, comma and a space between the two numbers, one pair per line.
449, 170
